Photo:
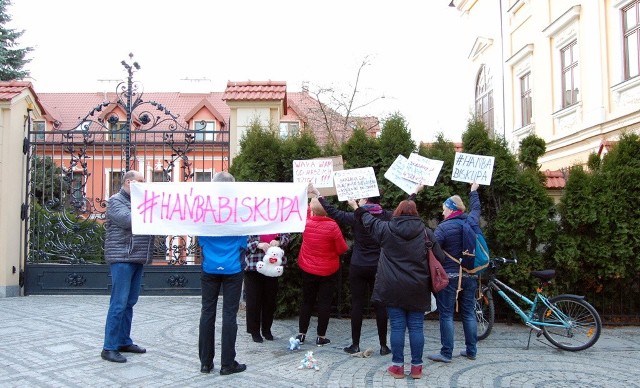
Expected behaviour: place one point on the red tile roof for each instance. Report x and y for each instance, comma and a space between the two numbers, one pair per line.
11, 89
555, 179
256, 91
70, 108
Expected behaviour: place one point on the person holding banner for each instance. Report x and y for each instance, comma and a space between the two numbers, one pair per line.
126, 255
319, 262
449, 236
363, 266
222, 269
261, 290
402, 281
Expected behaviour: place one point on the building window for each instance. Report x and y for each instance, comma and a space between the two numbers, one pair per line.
569, 74
484, 98
202, 176
288, 129
205, 130
38, 128
160, 176
631, 34
115, 182
525, 99
117, 131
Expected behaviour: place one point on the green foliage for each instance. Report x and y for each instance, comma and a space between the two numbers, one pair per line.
64, 237
599, 239
532, 147
593, 161
259, 159
48, 185
395, 139
590, 237
12, 60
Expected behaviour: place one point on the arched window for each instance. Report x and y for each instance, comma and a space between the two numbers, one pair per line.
484, 98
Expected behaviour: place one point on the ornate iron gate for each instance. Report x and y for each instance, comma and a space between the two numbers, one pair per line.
72, 172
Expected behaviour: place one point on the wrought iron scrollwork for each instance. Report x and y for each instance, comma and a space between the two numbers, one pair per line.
177, 281
75, 280
66, 223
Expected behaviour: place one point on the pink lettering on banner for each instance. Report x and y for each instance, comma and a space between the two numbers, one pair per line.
220, 210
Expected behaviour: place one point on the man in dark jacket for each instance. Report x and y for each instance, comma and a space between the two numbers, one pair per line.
363, 267
126, 254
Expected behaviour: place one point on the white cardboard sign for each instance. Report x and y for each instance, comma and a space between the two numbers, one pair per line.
422, 170
470, 168
394, 175
356, 183
317, 171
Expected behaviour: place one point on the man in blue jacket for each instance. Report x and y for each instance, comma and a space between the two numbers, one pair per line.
126, 254
222, 269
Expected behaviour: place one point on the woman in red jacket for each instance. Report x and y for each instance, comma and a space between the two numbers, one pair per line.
319, 260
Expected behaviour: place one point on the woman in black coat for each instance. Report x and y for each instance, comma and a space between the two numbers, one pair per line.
402, 281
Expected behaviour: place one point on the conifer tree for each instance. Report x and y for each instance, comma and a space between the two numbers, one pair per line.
12, 59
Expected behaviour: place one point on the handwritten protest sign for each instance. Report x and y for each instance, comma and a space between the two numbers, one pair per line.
422, 170
356, 183
317, 171
470, 168
394, 174
218, 208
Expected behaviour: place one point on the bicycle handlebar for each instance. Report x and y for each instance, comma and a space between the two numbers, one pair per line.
504, 260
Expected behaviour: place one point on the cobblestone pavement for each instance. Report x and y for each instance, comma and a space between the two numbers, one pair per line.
55, 341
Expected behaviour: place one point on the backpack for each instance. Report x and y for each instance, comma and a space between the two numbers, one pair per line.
475, 252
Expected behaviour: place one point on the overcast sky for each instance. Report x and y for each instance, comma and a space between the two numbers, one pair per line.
413, 46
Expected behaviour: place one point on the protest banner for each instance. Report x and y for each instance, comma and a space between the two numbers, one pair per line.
317, 171
422, 170
218, 208
394, 175
356, 183
470, 168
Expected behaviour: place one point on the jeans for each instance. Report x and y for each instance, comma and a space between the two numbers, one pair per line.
125, 290
400, 320
231, 286
261, 293
361, 280
320, 289
446, 299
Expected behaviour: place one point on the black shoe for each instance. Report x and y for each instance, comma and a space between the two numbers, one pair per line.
206, 368
267, 335
133, 348
352, 349
235, 368
300, 337
256, 337
384, 350
322, 341
113, 356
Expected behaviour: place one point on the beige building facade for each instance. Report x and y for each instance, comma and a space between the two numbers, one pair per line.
17, 100
567, 71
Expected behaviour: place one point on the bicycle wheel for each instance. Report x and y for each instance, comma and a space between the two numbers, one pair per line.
485, 313
581, 323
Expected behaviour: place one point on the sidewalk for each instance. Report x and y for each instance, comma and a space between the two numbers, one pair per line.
55, 341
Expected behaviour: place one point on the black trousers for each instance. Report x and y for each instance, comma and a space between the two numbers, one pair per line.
362, 280
318, 291
261, 293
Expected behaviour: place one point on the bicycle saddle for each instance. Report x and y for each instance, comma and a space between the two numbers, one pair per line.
545, 274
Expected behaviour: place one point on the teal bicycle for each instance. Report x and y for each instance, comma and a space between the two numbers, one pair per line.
567, 321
